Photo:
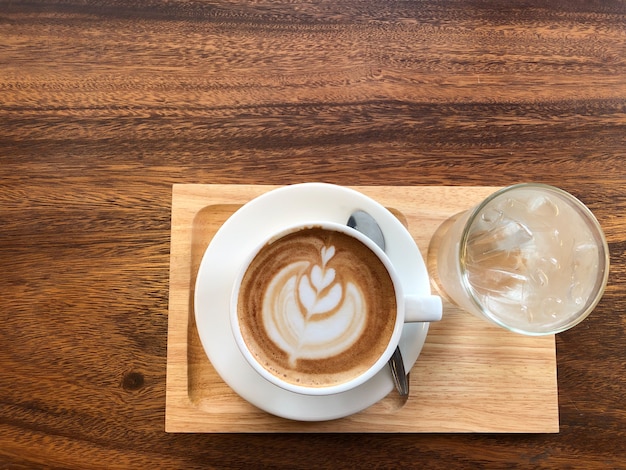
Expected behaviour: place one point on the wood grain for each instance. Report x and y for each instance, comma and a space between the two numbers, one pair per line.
105, 104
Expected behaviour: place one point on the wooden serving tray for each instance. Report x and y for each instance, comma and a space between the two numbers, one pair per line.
470, 376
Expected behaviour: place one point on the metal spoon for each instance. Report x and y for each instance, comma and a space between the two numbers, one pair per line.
365, 223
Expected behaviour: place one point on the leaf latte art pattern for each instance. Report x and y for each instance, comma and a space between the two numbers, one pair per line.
309, 313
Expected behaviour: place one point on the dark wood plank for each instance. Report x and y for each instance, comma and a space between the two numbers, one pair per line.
103, 105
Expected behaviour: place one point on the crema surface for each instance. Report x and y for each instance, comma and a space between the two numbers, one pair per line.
316, 307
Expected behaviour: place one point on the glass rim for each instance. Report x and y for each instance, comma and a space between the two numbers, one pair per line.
603, 258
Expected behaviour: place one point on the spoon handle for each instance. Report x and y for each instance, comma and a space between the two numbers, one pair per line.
396, 364
363, 222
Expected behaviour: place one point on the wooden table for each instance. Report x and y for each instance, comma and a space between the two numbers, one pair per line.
104, 105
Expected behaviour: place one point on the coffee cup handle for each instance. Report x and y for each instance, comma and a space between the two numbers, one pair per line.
419, 308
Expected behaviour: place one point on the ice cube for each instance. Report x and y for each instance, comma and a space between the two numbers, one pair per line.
495, 279
578, 293
585, 256
539, 278
509, 286
491, 216
551, 308
538, 213
508, 235
543, 270
512, 313
543, 207
513, 208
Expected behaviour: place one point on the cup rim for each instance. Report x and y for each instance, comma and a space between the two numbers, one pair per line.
343, 386
603, 258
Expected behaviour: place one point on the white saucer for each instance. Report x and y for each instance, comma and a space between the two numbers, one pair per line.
247, 227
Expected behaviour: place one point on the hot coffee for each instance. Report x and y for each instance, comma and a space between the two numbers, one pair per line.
316, 307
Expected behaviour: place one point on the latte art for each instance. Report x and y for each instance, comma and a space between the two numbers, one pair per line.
316, 307
309, 313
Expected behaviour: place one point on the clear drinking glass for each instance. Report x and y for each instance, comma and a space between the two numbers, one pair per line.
531, 258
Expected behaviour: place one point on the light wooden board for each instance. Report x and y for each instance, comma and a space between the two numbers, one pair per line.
470, 376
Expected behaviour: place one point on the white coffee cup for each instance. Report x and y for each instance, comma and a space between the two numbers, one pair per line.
284, 312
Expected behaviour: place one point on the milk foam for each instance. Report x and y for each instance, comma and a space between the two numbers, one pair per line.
311, 314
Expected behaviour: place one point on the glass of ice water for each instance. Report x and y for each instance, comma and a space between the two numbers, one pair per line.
531, 258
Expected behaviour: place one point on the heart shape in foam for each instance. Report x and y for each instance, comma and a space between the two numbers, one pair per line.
320, 279
327, 253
